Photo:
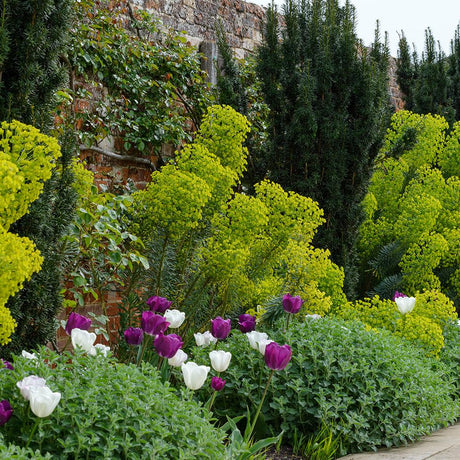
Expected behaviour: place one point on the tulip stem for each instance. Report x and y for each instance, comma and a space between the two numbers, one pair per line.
142, 348
160, 362
34, 429
211, 401
260, 405
287, 321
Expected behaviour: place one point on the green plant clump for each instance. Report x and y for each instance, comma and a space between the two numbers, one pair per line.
107, 410
372, 389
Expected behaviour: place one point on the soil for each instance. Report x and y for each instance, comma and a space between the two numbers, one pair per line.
284, 453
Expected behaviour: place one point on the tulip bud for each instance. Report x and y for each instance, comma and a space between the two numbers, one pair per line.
134, 335
246, 323
204, 339
28, 355
158, 304
217, 383
220, 328
83, 339
6, 364
398, 294
5, 411
103, 350
43, 401
255, 337
175, 318
277, 356
76, 321
153, 324
220, 360
194, 375
27, 383
178, 359
405, 304
167, 345
292, 304
263, 345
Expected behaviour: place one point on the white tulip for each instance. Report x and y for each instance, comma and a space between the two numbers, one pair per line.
314, 316
43, 401
405, 304
28, 355
255, 337
220, 360
178, 359
83, 339
27, 383
175, 318
205, 339
103, 349
263, 344
194, 375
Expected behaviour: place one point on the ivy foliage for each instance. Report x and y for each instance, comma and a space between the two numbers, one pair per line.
410, 239
26, 161
132, 81
213, 251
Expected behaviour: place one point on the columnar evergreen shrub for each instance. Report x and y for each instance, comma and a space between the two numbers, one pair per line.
430, 83
409, 240
328, 104
33, 39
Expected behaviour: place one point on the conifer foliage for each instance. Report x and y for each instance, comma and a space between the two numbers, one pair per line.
33, 37
430, 83
329, 104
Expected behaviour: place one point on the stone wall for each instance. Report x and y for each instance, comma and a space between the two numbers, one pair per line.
242, 21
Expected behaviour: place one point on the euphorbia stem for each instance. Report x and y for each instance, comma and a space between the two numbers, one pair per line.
160, 265
260, 405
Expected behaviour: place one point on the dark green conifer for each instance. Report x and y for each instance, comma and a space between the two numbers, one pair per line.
329, 106
32, 42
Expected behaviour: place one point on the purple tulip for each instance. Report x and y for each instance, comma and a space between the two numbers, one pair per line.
158, 304
153, 324
277, 356
76, 321
398, 294
220, 328
247, 323
167, 345
5, 411
6, 364
217, 383
292, 304
134, 335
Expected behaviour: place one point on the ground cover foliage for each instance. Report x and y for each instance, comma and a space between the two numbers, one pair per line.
369, 387
108, 410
